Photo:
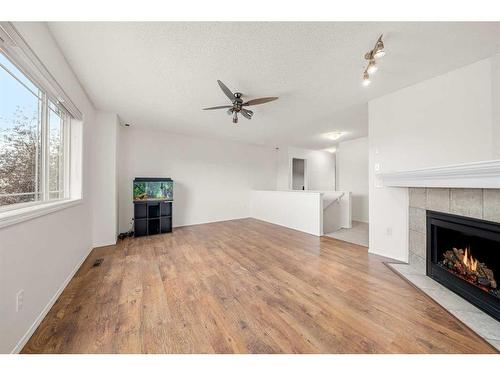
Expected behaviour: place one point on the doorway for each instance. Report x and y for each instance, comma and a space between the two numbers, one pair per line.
299, 172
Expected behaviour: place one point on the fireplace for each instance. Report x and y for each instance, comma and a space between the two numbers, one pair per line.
463, 254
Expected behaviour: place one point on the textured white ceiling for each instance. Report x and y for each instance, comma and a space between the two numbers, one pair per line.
161, 74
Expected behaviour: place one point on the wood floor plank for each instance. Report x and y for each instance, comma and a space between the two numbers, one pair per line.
245, 286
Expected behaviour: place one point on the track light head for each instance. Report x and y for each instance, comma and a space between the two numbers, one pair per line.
366, 79
379, 50
379, 54
372, 67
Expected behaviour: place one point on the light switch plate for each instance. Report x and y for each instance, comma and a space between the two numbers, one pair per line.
19, 300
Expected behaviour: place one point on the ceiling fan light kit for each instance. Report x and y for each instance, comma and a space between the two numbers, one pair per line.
238, 103
376, 53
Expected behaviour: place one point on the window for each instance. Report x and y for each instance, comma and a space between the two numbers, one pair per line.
34, 142
56, 152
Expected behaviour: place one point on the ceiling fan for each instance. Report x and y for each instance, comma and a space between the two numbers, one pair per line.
238, 103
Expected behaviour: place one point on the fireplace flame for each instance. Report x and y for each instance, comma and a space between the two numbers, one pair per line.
469, 261
464, 265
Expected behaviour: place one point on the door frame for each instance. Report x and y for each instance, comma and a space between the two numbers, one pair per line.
290, 173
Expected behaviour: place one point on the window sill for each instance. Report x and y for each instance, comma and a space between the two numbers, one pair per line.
27, 213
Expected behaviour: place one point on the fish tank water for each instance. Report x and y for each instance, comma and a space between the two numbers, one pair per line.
153, 188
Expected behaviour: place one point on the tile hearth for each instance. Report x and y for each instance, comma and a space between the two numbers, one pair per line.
480, 322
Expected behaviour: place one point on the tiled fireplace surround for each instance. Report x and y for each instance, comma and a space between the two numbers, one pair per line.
477, 203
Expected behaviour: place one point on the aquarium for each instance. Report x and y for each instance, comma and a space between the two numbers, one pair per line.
153, 189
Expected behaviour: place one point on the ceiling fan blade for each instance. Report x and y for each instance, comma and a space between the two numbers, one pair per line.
246, 113
219, 107
260, 100
226, 91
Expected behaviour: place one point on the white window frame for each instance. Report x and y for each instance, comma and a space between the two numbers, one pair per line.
14, 47
42, 193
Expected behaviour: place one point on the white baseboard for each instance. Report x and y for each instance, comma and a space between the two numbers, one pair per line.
380, 253
208, 222
105, 243
19, 346
361, 221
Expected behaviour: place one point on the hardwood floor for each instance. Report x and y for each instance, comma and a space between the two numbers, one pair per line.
245, 286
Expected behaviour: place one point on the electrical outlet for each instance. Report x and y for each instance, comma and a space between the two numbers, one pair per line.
19, 300
389, 231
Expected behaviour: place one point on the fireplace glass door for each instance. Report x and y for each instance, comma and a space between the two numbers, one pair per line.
463, 254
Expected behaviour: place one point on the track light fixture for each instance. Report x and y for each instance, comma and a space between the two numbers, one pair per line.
377, 52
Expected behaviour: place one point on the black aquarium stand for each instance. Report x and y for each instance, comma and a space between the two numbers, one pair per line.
152, 217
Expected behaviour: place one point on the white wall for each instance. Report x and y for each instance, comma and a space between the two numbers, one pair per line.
495, 99
299, 210
320, 168
445, 120
40, 255
352, 175
337, 210
212, 178
104, 189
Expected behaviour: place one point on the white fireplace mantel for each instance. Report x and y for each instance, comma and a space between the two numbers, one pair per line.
483, 174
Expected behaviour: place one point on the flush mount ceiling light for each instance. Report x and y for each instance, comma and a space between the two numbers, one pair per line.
334, 135
331, 150
377, 52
